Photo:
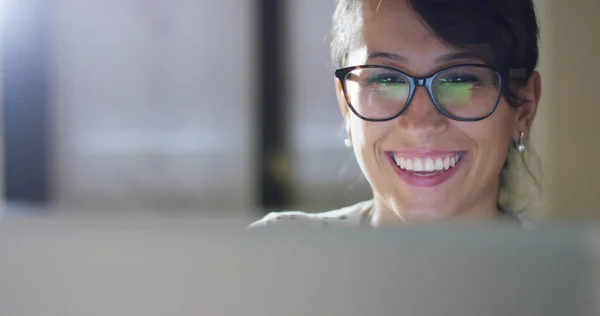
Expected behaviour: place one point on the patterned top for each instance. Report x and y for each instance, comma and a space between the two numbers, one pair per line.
351, 216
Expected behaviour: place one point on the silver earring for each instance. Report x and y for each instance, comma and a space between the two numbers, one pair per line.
348, 141
520, 143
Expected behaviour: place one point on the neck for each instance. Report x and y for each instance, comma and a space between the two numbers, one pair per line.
383, 215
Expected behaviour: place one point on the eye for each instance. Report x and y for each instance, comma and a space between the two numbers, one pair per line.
386, 79
458, 79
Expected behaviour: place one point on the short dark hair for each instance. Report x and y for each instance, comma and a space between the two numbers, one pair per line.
508, 27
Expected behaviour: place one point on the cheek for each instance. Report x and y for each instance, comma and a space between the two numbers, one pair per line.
365, 137
491, 138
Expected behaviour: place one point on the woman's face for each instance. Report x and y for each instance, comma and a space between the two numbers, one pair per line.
422, 134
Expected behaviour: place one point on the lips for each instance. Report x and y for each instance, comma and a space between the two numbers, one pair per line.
426, 169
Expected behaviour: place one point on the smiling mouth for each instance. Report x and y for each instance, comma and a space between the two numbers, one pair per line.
427, 166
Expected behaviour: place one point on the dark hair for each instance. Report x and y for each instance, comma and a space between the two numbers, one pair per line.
508, 27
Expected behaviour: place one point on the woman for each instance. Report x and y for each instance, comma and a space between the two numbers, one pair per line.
438, 97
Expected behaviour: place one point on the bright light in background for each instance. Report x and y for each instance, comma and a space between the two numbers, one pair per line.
2, 12
3, 15
5, 7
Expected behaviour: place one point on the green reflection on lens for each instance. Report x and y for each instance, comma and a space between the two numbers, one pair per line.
393, 91
453, 93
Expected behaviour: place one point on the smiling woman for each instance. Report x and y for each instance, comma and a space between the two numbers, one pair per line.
438, 97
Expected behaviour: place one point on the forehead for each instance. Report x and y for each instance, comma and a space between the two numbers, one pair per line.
392, 26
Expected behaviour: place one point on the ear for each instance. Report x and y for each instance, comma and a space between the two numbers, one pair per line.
342, 103
531, 95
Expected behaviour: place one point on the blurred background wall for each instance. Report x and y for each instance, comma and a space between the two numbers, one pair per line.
326, 174
568, 129
152, 103
161, 106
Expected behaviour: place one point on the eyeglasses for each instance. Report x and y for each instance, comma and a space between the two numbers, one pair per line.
466, 93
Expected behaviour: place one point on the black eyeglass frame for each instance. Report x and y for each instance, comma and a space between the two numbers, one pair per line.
426, 82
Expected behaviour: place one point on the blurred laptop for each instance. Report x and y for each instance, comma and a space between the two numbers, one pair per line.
133, 266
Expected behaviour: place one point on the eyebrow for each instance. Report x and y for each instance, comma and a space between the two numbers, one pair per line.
442, 59
384, 55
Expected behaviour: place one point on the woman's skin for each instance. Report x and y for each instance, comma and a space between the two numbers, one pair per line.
393, 35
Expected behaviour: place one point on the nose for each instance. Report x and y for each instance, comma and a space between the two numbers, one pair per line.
421, 116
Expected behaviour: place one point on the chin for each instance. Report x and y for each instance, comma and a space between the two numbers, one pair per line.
426, 214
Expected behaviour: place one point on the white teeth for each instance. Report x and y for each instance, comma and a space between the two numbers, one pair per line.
417, 165
429, 165
426, 164
439, 165
409, 164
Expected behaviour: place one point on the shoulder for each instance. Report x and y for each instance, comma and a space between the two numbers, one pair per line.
524, 221
347, 216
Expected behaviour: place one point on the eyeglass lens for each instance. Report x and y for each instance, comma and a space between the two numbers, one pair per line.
464, 92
